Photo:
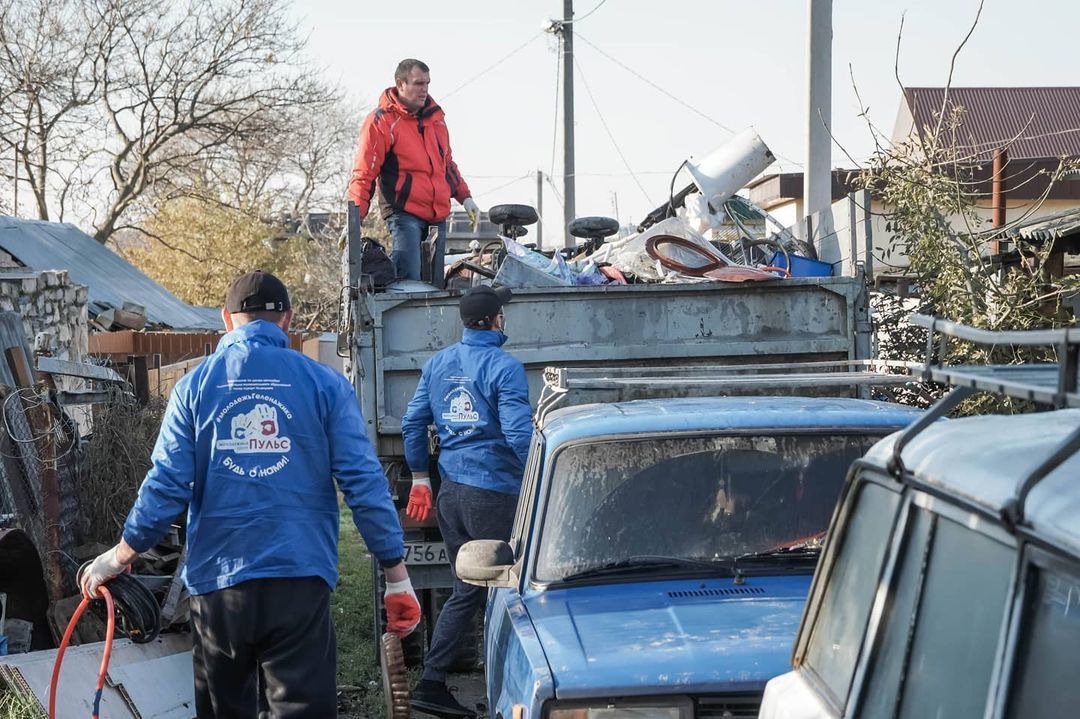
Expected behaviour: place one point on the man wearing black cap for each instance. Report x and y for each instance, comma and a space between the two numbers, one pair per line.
251, 443
477, 397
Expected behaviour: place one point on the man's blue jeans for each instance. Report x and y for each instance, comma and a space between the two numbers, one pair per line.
408, 231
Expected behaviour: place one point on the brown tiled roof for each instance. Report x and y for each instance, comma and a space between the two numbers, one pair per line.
1045, 120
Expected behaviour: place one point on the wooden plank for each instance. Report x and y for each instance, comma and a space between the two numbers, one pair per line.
140, 379
51, 365
19, 366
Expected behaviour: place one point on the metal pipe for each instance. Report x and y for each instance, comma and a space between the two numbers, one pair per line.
539, 209
817, 189
568, 119
998, 189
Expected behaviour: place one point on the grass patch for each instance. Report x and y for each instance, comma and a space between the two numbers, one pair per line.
351, 603
17, 705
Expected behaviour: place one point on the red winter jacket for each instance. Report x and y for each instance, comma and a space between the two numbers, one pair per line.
410, 156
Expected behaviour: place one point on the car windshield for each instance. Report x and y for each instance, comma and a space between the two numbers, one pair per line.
704, 499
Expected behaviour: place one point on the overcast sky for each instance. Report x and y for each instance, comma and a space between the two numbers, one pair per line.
731, 64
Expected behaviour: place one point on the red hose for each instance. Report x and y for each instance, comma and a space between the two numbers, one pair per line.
109, 630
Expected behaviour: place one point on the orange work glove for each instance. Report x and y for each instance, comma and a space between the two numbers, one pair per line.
402, 608
419, 508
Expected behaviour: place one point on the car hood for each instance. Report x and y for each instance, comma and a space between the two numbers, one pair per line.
658, 637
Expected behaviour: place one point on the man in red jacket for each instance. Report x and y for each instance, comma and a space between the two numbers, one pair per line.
405, 146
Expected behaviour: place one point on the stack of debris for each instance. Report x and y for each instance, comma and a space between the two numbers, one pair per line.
45, 537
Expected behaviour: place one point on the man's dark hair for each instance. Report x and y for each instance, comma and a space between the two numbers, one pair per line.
406, 66
480, 324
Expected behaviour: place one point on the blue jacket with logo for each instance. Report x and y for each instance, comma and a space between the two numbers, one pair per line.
477, 396
251, 443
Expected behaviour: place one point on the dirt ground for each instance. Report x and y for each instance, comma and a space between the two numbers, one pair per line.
355, 703
470, 692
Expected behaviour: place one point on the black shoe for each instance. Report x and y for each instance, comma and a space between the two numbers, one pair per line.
432, 697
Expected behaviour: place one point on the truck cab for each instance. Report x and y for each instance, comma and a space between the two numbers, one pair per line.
950, 582
664, 547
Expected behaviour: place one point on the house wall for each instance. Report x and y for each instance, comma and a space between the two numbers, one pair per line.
834, 246
53, 310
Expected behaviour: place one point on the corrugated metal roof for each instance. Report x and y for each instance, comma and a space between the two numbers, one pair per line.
1048, 229
1044, 120
109, 278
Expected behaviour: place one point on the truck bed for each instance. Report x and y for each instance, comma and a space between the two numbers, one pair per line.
790, 320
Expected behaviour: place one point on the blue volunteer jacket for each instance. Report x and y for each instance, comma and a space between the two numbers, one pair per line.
477, 396
251, 442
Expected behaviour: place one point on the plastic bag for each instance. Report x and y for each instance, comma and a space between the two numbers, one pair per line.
590, 274
375, 262
698, 216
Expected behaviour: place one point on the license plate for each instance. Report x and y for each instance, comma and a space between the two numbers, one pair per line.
425, 553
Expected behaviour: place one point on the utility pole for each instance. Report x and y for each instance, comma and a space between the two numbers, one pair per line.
539, 209
567, 30
15, 185
817, 182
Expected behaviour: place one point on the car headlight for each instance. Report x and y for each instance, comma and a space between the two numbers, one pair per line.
666, 708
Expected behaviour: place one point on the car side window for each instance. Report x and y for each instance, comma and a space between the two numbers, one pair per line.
958, 625
881, 690
1046, 679
838, 629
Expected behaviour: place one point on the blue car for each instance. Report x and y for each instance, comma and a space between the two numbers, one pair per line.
662, 553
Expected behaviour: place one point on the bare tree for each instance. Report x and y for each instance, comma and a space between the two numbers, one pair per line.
46, 92
112, 104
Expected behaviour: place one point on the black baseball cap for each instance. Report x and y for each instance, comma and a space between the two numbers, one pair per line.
257, 291
482, 302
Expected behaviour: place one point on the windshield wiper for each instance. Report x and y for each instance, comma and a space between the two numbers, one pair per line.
797, 553
652, 563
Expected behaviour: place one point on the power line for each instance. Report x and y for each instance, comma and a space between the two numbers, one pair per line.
554, 189
652, 84
660, 89
555, 116
611, 136
598, 6
494, 65
517, 179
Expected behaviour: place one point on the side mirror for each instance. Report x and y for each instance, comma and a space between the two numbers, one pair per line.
486, 563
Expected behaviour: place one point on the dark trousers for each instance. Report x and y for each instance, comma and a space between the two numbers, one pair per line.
265, 648
465, 513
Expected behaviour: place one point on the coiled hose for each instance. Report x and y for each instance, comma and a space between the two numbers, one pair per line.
140, 618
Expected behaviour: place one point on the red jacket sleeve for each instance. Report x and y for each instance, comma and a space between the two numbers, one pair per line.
458, 189
369, 159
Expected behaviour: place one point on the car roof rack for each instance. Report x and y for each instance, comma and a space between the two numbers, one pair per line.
1049, 383
568, 386
1045, 383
